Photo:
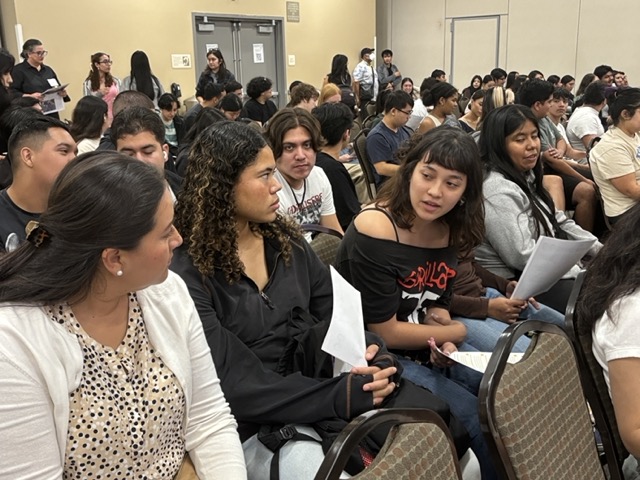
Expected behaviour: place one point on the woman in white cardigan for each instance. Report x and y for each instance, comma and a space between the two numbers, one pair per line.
104, 365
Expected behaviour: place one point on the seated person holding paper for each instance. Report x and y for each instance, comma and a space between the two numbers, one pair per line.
255, 282
517, 207
482, 301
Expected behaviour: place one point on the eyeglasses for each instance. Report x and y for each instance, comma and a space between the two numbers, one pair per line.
406, 113
41, 53
106, 62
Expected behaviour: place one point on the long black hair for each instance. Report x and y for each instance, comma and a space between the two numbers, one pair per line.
497, 126
613, 273
99, 200
339, 71
141, 73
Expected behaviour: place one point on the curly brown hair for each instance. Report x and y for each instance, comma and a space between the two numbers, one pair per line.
205, 213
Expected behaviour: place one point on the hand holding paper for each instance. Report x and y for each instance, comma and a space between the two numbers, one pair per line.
345, 337
550, 260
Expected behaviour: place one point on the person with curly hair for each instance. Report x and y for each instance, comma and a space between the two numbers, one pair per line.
255, 281
259, 107
100, 83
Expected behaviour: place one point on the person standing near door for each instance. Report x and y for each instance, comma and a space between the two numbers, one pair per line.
365, 81
215, 72
32, 77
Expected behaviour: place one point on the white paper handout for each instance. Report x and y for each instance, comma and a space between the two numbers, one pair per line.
477, 361
550, 260
345, 337
51, 100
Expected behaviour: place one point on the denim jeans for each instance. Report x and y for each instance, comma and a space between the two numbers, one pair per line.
484, 334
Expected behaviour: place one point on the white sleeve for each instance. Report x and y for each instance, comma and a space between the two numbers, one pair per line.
211, 439
618, 337
28, 443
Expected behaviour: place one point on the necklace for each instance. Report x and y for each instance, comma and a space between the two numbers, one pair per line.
295, 197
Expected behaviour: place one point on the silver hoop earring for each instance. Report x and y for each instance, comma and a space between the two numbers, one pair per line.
119, 273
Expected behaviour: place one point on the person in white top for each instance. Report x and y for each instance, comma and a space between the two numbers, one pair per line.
103, 355
306, 195
608, 309
584, 124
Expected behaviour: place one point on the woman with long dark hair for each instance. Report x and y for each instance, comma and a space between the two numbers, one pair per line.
215, 72
88, 122
6, 67
400, 253
103, 356
474, 86
100, 83
141, 78
339, 73
607, 309
518, 209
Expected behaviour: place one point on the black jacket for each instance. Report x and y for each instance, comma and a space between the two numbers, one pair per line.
246, 330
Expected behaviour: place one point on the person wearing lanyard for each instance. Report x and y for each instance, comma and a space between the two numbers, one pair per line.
32, 77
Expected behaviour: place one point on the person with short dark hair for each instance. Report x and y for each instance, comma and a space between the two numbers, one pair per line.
205, 118
32, 77
125, 99
604, 74
579, 189
139, 132
173, 123
212, 94
487, 82
215, 72
365, 81
387, 136
389, 77
554, 80
259, 107
89, 121
103, 356
39, 147
536, 74
336, 122
499, 76
230, 106
306, 195
620, 79
234, 87
439, 75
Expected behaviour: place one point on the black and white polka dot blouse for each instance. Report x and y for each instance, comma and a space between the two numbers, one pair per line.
126, 415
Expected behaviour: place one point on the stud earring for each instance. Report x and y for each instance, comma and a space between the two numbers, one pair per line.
119, 273
461, 202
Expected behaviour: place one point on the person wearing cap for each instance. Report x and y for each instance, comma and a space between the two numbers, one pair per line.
389, 77
365, 81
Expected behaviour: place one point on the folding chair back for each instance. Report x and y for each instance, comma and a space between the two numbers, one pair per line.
325, 243
360, 146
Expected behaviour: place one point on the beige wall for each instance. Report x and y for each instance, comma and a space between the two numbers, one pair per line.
556, 37
74, 29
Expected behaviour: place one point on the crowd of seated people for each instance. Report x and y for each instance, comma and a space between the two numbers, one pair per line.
468, 181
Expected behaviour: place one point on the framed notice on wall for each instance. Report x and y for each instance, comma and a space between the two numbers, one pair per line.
293, 12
